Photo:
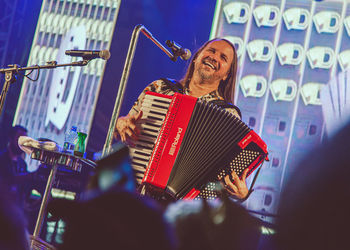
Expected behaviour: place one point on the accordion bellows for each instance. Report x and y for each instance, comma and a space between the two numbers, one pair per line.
186, 143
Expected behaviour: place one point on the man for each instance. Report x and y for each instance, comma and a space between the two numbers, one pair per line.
12, 163
211, 76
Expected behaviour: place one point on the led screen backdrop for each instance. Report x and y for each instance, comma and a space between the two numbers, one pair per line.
288, 51
63, 97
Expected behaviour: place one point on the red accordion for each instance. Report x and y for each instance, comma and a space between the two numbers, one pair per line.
186, 143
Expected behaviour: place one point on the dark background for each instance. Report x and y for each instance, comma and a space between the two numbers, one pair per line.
18, 19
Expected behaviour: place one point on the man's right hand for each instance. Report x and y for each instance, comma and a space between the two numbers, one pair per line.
126, 127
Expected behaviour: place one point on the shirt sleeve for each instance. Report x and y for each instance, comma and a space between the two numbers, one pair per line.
154, 87
233, 111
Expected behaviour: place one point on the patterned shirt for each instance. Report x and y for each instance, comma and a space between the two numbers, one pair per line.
161, 87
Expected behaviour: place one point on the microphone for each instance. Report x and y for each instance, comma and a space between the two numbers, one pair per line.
183, 53
89, 54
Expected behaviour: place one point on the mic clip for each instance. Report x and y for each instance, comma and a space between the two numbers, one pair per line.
177, 50
176, 54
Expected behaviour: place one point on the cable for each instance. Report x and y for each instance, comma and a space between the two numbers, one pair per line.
27, 75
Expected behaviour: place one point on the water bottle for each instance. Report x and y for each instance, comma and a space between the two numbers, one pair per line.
70, 138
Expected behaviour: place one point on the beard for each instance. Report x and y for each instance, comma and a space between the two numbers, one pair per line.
204, 74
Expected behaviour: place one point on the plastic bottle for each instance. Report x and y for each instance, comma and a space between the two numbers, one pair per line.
79, 148
70, 139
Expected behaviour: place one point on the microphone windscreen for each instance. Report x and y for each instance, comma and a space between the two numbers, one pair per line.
187, 55
105, 54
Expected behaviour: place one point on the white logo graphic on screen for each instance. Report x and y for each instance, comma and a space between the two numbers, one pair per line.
347, 24
266, 15
263, 199
237, 42
326, 21
310, 92
290, 53
283, 90
320, 57
260, 50
253, 85
64, 82
42, 54
296, 18
236, 12
344, 59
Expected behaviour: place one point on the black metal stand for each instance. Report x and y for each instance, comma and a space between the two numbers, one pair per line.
54, 159
13, 70
9, 78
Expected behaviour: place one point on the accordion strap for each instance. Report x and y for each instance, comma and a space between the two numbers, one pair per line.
251, 188
173, 85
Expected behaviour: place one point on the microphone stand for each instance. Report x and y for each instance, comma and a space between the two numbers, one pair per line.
123, 81
13, 70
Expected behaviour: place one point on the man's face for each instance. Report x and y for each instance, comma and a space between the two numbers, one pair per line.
214, 61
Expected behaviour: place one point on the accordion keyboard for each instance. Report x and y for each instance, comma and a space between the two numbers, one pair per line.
154, 110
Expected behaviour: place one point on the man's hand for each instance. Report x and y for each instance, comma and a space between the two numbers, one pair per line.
126, 127
239, 187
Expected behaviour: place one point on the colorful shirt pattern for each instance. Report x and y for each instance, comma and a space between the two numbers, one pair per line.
161, 87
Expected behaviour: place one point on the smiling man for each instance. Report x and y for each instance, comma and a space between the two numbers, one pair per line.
211, 76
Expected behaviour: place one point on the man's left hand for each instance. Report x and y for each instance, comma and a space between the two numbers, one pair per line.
239, 187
